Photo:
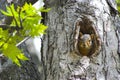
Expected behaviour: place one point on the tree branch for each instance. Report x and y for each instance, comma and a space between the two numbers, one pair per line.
5, 27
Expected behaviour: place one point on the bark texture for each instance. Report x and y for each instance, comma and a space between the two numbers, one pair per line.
59, 60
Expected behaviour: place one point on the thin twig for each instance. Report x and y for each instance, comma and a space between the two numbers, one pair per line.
20, 17
22, 41
5, 27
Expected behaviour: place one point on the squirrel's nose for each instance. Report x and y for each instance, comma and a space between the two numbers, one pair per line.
84, 45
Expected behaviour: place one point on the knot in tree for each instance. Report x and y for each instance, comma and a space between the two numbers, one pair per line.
87, 40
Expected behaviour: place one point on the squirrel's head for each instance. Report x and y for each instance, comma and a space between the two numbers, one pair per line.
85, 41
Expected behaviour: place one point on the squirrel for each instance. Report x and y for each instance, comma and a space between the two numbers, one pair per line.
85, 44
87, 41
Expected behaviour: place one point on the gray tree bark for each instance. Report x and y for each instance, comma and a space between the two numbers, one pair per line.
58, 55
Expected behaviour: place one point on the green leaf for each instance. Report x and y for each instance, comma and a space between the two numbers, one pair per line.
16, 61
10, 11
38, 30
1, 42
6, 13
13, 53
22, 57
42, 9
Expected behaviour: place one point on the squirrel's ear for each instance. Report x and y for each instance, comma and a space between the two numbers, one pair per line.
92, 36
80, 34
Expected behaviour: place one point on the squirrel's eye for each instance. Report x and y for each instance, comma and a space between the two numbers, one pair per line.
89, 40
82, 45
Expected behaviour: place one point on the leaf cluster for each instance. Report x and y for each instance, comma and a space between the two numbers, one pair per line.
26, 22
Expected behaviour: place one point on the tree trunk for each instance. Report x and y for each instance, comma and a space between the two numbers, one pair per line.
61, 55
8, 70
